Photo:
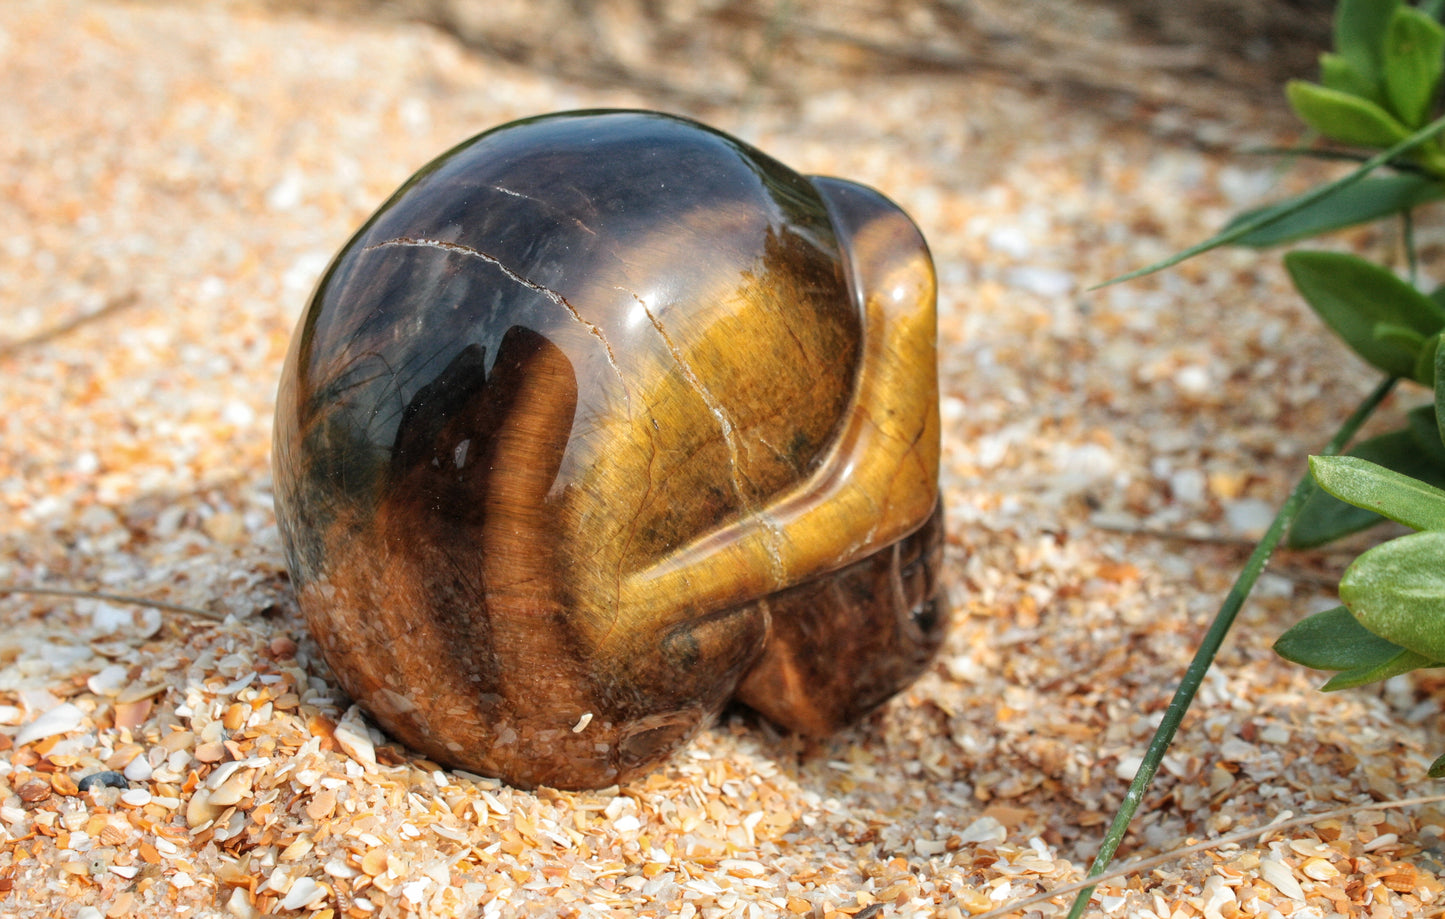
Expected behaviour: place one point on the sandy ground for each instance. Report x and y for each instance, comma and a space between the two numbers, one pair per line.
175, 179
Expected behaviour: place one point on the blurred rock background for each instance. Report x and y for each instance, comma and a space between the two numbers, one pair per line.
1206, 56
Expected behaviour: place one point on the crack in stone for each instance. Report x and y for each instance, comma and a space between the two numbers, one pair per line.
730, 439
546, 206
459, 249
632, 529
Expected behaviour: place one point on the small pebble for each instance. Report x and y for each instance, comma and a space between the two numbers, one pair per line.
62, 719
1011, 241
239, 906
1278, 874
34, 791
108, 681
231, 791
302, 892
1046, 282
1249, 516
106, 618
1188, 486
102, 779
351, 736
413, 891
136, 797
200, 809
138, 769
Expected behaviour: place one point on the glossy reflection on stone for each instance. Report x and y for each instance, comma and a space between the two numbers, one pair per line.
604, 419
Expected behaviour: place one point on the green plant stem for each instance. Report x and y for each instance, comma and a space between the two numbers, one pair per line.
1209, 647
1435, 166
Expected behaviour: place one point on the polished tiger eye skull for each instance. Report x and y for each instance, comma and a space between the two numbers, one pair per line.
605, 419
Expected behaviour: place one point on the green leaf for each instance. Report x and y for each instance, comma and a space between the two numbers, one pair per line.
1421, 423
1414, 58
1425, 363
1353, 296
1325, 518
1336, 72
1437, 769
1407, 339
1440, 394
1360, 27
1402, 662
1418, 505
1344, 117
1409, 146
1366, 200
1397, 591
1334, 640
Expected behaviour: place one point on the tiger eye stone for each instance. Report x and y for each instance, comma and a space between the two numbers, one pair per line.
604, 419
